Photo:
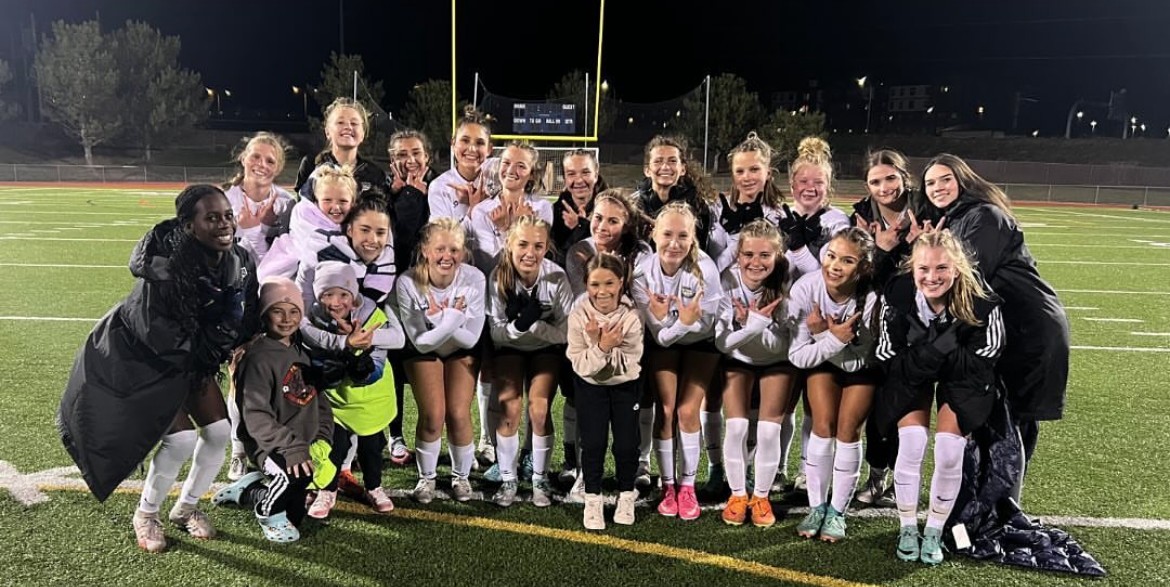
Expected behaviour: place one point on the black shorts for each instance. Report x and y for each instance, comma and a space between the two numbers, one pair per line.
410, 353
557, 350
702, 346
843, 378
730, 364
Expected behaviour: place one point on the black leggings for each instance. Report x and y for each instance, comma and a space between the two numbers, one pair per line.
599, 407
369, 456
880, 453
283, 493
399, 371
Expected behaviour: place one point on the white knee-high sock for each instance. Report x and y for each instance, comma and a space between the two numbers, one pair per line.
569, 424
787, 431
646, 428
173, 451
234, 417
541, 448
665, 449
846, 471
734, 449
805, 431
352, 454
767, 456
711, 425
908, 472
461, 459
487, 423
691, 443
507, 447
208, 460
948, 475
427, 455
818, 467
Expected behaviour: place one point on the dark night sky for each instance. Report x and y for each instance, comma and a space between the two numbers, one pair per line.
1053, 51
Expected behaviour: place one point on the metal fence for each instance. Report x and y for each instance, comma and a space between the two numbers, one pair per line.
123, 173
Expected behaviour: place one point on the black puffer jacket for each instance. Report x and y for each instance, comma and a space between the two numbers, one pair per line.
141, 360
1035, 360
886, 262
410, 210
685, 191
916, 356
366, 172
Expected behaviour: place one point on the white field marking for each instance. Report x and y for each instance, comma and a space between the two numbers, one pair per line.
1074, 246
1122, 235
1133, 320
1150, 333
18, 203
1040, 225
1122, 349
1116, 292
1087, 308
8, 190
29, 490
66, 266
48, 319
73, 213
1132, 218
1050, 262
95, 240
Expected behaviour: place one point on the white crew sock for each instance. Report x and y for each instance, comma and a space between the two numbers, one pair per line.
173, 451
948, 475
507, 447
846, 471
427, 455
767, 456
734, 447
908, 472
665, 449
711, 425
818, 466
208, 460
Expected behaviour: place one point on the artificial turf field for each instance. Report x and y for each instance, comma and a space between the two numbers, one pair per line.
1100, 473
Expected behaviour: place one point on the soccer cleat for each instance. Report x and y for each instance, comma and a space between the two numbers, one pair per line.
148, 530
524, 471
735, 512
874, 487
348, 485
232, 492
542, 493
810, 526
278, 528
195, 522
323, 504
800, 483
424, 491
669, 505
378, 500
461, 489
506, 494
762, 516
780, 485
931, 552
567, 476
493, 474
399, 454
594, 517
716, 486
485, 453
688, 503
624, 514
833, 530
908, 543
643, 479
577, 493
238, 467
887, 499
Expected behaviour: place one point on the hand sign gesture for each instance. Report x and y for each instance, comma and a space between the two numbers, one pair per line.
500, 217
610, 337
689, 313
415, 180
846, 329
741, 311
816, 322
360, 338
264, 216
398, 173
916, 230
572, 213
885, 238
522, 209
767, 310
593, 330
434, 307
659, 306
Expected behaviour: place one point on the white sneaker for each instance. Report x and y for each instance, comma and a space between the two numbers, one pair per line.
322, 504
542, 493
424, 491
800, 483
194, 521
594, 512
238, 467
643, 477
485, 453
461, 489
506, 494
874, 487
567, 476
577, 493
624, 514
780, 485
148, 530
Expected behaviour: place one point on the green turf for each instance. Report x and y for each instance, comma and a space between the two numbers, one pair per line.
1102, 460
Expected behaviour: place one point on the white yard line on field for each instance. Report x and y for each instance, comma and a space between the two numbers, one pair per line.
48, 319
1133, 320
1115, 292
64, 266
95, 240
75, 213
1150, 333
1078, 246
1134, 218
1122, 349
1123, 263
1086, 308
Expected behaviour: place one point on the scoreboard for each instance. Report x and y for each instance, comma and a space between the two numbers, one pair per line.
544, 118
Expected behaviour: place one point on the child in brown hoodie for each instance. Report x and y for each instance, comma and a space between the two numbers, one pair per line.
605, 348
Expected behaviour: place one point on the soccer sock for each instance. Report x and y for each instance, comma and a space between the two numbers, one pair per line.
234, 417
483, 398
908, 472
787, 431
805, 431
767, 456
506, 449
818, 467
646, 428
948, 475
665, 449
347, 464
427, 457
690, 441
173, 451
846, 471
541, 448
569, 428
461, 459
208, 460
711, 424
734, 445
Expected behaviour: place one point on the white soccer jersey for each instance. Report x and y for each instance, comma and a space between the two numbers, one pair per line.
556, 300
758, 341
450, 329
650, 279
488, 240
807, 350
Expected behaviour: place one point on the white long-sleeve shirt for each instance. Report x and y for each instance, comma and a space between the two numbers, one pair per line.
650, 279
807, 259
488, 240
578, 256
256, 237
556, 300
722, 245
808, 350
451, 329
760, 340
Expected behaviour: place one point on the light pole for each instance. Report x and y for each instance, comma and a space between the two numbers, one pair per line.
304, 100
217, 93
868, 94
1093, 126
